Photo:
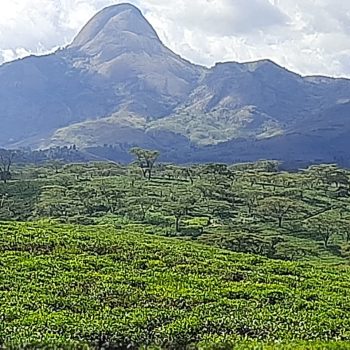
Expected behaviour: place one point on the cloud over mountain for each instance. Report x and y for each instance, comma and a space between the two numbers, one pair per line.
310, 37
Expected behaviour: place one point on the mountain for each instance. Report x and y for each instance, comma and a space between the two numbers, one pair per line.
116, 63
123, 50
118, 84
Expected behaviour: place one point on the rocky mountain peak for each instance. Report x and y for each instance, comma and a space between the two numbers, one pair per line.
114, 25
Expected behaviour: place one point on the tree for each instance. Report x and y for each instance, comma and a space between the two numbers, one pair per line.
328, 175
279, 208
6, 160
325, 225
271, 166
189, 173
178, 210
179, 205
251, 199
140, 202
133, 175
56, 165
145, 159
53, 202
344, 224
216, 198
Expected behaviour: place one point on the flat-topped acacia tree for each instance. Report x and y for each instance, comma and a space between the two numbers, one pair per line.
327, 225
279, 208
145, 159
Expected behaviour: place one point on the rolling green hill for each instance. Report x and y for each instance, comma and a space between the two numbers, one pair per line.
101, 287
105, 256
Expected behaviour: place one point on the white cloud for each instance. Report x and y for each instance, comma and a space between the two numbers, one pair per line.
310, 37
223, 17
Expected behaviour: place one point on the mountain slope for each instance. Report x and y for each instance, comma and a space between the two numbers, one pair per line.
116, 63
256, 100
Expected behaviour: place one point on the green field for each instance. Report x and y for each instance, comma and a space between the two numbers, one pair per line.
77, 286
107, 256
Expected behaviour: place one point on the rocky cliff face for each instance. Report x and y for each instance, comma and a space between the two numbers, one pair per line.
123, 49
117, 83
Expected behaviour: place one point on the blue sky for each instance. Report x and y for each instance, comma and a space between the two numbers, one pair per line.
307, 36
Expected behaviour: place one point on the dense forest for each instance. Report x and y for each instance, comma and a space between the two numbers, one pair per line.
154, 255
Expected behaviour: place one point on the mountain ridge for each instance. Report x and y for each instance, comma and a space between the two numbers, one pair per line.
117, 70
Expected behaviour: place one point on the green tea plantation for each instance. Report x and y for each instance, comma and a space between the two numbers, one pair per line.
104, 287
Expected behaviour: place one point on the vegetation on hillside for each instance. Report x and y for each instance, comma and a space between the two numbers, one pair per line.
83, 263
250, 208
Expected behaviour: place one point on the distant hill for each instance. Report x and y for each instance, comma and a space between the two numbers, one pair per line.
117, 84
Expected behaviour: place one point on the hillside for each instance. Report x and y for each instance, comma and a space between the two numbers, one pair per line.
248, 208
106, 256
101, 287
118, 85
